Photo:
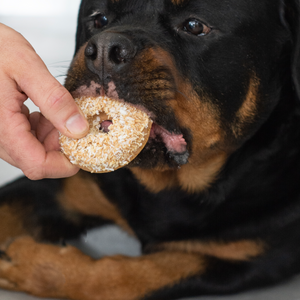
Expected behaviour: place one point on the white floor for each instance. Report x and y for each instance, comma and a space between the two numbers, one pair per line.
50, 27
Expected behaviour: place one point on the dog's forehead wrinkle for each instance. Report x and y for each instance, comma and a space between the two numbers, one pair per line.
153, 5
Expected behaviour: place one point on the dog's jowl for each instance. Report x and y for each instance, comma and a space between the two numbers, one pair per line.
214, 197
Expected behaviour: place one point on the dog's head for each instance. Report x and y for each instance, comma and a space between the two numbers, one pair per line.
208, 72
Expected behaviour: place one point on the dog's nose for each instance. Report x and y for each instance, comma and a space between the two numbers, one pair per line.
107, 53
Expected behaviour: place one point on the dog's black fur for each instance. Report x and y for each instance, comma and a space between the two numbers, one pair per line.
224, 74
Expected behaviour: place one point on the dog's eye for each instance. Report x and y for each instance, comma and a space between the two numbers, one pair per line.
100, 21
195, 27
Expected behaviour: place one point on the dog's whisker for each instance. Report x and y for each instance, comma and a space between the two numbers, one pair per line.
57, 67
60, 62
59, 76
182, 94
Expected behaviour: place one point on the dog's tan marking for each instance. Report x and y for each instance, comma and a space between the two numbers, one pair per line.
209, 150
34, 267
156, 180
12, 221
149, 78
196, 179
189, 177
82, 194
50, 271
201, 117
240, 250
247, 112
179, 2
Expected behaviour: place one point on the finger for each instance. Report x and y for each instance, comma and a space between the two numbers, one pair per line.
29, 154
55, 165
55, 102
51, 142
45, 127
40, 125
34, 119
11, 99
34, 79
25, 111
7, 158
31, 78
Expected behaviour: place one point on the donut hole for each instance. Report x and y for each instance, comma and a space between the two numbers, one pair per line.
100, 122
105, 122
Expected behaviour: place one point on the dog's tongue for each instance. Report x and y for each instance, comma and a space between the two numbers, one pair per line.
174, 142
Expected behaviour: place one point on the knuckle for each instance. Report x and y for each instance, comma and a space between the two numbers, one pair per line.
56, 98
34, 173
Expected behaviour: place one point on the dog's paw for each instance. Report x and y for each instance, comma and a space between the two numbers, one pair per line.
39, 269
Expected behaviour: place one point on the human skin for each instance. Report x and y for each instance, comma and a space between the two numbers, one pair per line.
30, 141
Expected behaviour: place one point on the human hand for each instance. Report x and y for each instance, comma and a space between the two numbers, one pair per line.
30, 141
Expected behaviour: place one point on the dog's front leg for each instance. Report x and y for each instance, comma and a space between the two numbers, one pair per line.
65, 272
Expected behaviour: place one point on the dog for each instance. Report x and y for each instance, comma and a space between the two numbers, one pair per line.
214, 196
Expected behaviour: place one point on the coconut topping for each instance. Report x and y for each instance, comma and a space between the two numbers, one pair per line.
118, 132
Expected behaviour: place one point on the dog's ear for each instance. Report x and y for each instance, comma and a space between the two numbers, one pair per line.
290, 15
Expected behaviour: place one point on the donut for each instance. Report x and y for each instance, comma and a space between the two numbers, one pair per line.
118, 132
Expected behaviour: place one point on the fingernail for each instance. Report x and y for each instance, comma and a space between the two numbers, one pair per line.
77, 124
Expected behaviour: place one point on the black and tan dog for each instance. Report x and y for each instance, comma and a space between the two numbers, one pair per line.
214, 197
